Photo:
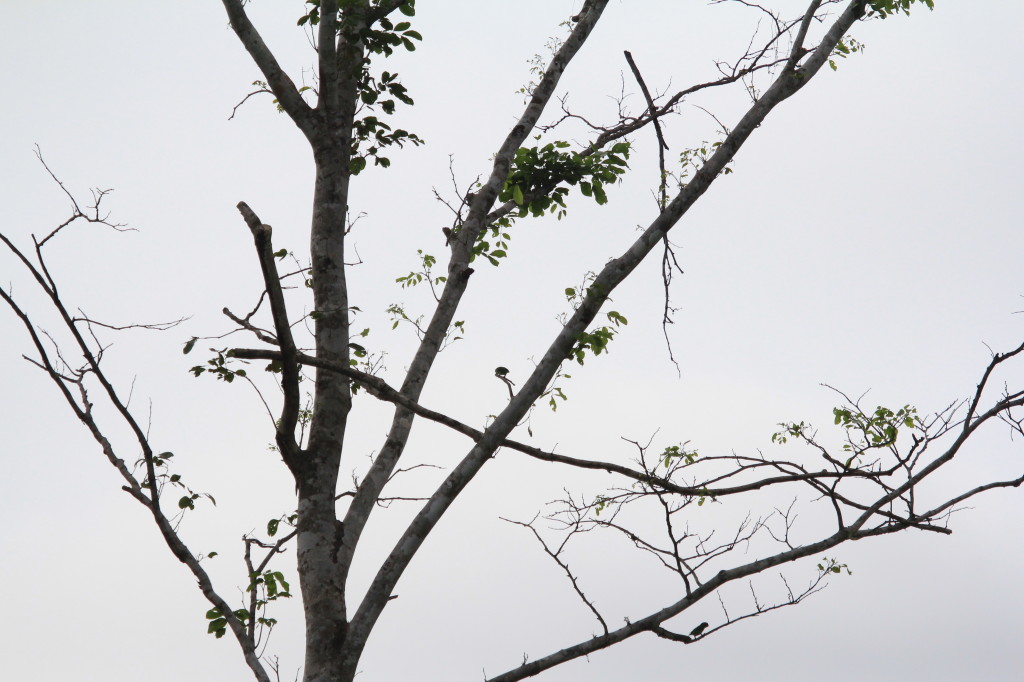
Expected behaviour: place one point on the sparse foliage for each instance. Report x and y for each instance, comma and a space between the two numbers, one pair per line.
867, 471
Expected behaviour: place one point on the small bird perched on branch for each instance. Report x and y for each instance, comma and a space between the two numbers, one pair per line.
501, 373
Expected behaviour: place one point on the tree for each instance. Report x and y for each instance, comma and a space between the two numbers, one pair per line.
526, 179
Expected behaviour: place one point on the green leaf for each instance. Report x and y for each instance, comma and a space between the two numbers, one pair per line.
617, 318
189, 345
272, 527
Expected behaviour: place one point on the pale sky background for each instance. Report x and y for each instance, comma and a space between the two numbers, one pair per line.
869, 238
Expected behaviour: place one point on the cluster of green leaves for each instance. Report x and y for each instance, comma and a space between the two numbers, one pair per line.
691, 160
382, 91
876, 430
370, 134
362, 359
425, 274
492, 243
218, 625
189, 501
843, 49
274, 525
555, 392
538, 177
596, 341
675, 454
883, 8
791, 430
359, 351
398, 316
538, 183
217, 365
865, 431
164, 476
382, 135
575, 295
391, 35
408, 8
271, 586
830, 565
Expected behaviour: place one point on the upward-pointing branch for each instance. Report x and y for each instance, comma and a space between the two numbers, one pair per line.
787, 83
458, 277
282, 86
289, 364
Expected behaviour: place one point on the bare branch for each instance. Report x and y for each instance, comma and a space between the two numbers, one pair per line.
285, 437
565, 568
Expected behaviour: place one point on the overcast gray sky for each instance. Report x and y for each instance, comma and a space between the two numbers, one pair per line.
869, 238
